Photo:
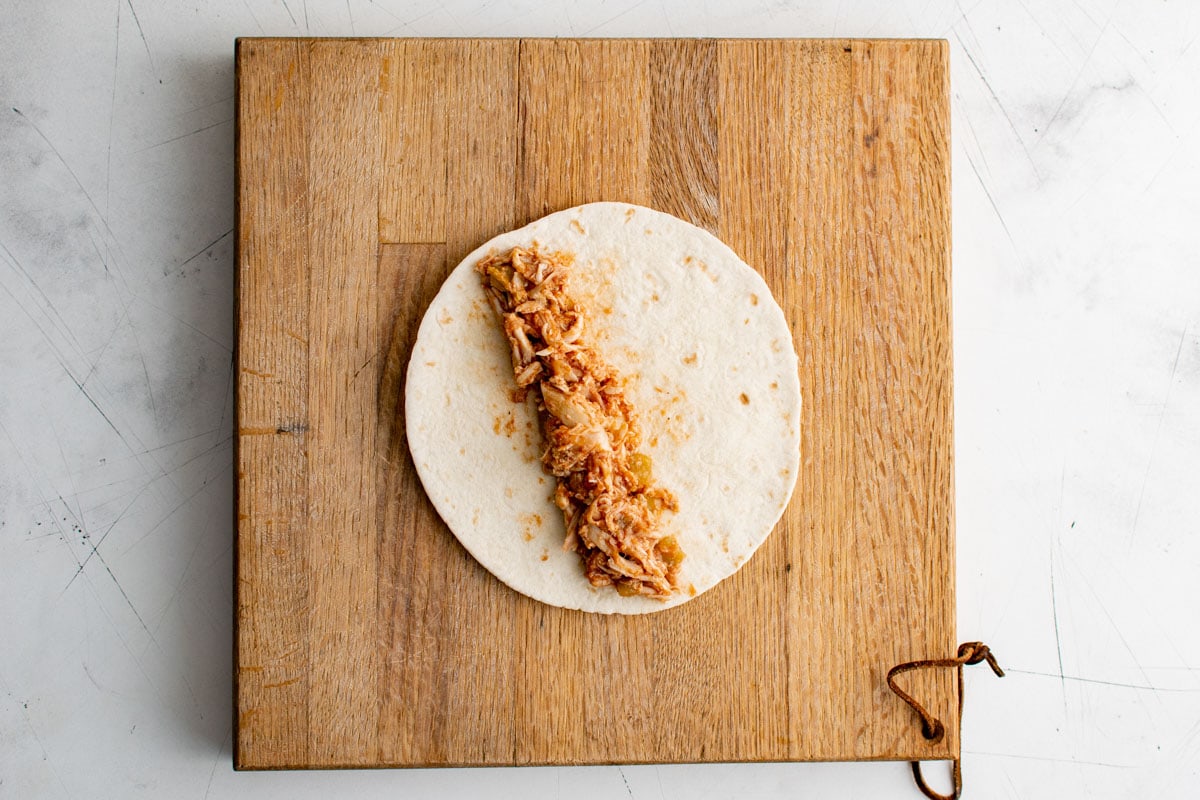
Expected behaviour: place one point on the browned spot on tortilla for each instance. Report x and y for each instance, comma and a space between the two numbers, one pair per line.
508, 491
510, 425
431, 363
530, 522
746, 321
776, 346
745, 400
545, 555
753, 299
629, 212
774, 384
578, 226
712, 276
691, 359
654, 298
475, 517
691, 590
462, 451
648, 231
541, 480
667, 406
444, 318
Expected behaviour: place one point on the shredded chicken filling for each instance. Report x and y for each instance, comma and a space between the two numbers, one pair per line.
611, 504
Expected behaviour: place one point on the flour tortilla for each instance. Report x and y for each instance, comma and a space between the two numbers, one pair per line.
712, 374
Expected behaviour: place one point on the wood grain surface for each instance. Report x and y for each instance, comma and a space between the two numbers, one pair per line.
366, 636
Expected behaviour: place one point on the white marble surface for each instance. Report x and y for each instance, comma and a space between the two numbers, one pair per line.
1077, 335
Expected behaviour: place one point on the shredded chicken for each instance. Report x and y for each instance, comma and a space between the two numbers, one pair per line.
611, 504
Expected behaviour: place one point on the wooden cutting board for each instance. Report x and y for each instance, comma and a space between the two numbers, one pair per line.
366, 636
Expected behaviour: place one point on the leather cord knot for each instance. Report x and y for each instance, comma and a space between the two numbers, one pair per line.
932, 727
974, 652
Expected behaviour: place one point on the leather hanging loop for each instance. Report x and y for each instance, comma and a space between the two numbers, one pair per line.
932, 727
